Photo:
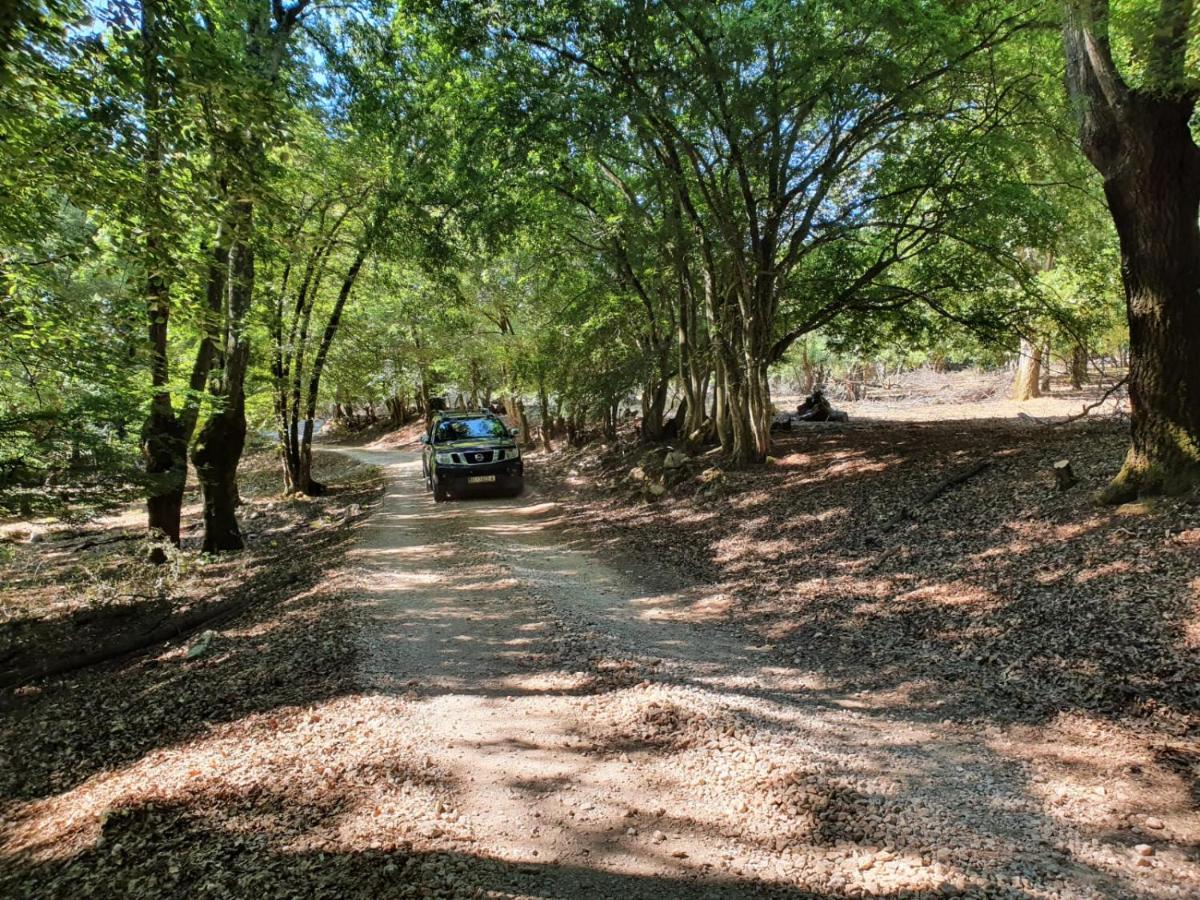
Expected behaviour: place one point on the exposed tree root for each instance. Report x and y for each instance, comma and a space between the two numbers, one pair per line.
1142, 478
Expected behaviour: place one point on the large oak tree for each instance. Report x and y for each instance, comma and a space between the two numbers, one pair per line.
1136, 128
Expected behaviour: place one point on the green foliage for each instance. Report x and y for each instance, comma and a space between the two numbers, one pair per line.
573, 199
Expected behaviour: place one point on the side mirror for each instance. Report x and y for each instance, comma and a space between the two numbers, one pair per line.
424, 439
514, 431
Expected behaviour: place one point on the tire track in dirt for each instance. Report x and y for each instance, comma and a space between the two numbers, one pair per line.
604, 739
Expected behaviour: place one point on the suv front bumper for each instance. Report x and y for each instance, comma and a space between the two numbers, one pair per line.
506, 471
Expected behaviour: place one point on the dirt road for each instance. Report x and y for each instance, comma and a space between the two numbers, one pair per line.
559, 726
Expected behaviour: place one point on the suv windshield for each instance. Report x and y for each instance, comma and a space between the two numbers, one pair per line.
458, 429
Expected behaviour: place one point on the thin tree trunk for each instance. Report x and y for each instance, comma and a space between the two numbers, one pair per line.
423, 390
1079, 364
525, 439
305, 303
719, 415
306, 483
544, 413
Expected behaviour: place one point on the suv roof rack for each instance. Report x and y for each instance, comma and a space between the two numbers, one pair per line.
462, 413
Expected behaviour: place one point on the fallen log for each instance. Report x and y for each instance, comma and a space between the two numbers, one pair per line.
956, 480
937, 490
129, 645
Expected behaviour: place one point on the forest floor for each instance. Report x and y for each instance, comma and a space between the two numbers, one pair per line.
801, 679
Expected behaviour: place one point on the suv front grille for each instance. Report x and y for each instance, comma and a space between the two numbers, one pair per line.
473, 457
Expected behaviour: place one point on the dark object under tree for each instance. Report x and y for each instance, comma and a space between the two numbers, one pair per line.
1064, 477
817, 408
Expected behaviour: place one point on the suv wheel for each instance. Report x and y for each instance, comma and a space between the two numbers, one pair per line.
440, 494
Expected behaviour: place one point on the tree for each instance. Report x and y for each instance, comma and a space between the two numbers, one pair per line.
164, 443
807, 153
1135, 124
241, 123
1027, 384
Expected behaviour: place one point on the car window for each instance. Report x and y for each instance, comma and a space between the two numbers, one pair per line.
459, 429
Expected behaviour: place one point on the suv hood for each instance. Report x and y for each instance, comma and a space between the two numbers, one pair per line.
475, 444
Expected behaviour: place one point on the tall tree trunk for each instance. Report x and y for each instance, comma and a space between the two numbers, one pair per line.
525, 439
719, 406
222, 437
1140, 141
1027, 384
758, 386
216, 455
423, 391
164, 446
1156, 221
1044, 384
305, 303
306, 484
544, 414
295, 347
654, 407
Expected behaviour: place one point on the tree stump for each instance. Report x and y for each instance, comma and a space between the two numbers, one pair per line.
1064, 478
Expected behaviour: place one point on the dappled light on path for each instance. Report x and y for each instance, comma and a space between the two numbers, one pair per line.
532, 716
588, 722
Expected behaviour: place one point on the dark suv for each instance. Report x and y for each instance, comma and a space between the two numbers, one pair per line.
471, 449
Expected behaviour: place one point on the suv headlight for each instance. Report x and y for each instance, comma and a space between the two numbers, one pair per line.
444, 458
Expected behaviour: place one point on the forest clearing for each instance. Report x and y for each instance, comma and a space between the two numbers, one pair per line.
599, 449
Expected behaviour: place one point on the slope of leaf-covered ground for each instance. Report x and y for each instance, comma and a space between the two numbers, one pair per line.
1009, 619
1066, 632
287, 646
73, 589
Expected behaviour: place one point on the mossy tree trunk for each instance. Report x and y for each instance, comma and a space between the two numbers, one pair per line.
1141, 142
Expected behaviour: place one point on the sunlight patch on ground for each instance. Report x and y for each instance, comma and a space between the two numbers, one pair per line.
1108, 570
284, 753
537, 509
954, 594
543, 682
1087, 773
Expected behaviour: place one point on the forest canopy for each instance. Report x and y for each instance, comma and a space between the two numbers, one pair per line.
221, 219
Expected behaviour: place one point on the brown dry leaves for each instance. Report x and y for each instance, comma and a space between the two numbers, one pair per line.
1002, 599
130, 762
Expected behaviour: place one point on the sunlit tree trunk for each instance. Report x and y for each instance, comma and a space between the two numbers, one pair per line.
1027, 384
1141, 142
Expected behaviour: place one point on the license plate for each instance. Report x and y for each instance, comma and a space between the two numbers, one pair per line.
481, 479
